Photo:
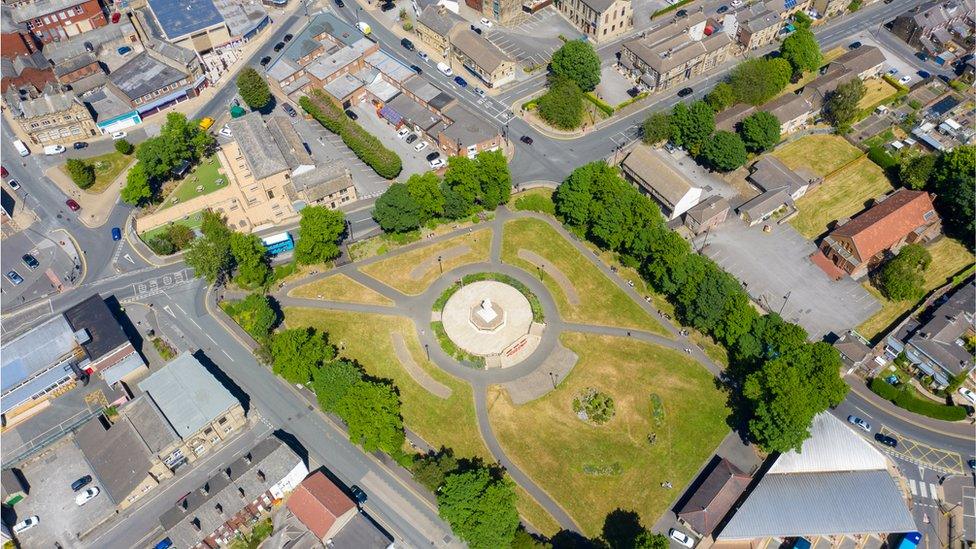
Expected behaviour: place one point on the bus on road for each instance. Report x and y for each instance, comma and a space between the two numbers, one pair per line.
278, 243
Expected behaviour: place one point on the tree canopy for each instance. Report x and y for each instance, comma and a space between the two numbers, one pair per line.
802, 51
756, 81
915, 172
81, 172
954, 179
691, 125
397, 211
137, 190
721, 97
253, 88
297, 352
760, 131
903, 277
656, 128
724, 151
841, 107
425, 189
319, 233
480, 508
210, 256
251, 257
562, 105
255, 314
371, 410
577, 61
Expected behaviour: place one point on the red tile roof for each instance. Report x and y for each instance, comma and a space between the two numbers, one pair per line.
319, 503
833, 271
714, 497
887, 222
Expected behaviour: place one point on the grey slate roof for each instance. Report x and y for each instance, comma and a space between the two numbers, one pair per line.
650, 170
143, 75
599, 6
467, 129
187, 394
483, 53
38, 8
106, 104
707, 209
361, 533
257, 145
304, 43
325, 66
178, 18
290, 144
74, 63
938, 338
765, 203
149, 422
860, 59
316, 184
770, 173
117, 455
439, 19
47, 104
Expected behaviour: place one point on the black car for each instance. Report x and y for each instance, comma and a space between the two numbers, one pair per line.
289, 109
685, 92
681, 13
352, 114
279, 46
81, 483
416, 69
358, 494
922, 56
432, 156
265, 60
526, 139
339, 3
407, 44
476, 29
388, 6
886, 440
288, 37
722, 9
888, 1
30, 261
411, 138
972, 464
924, 74
79, 145
854, 45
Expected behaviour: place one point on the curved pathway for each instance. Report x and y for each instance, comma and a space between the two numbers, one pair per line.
418, 309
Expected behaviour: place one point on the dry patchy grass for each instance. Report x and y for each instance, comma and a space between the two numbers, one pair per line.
340, 287
876, 90
821, 154
841, 195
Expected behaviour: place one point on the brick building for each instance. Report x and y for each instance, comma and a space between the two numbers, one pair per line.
56, 20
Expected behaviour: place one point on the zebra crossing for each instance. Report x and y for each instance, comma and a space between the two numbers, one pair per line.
924, 490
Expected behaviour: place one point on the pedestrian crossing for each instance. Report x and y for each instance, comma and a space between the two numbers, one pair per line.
922, 489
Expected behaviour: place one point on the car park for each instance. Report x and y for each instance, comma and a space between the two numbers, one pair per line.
445, 69
854, 45
351, 114
432, 156
14, 277
460, 82
13, 184
969, 395
526, 139
437, 163
30, 261
87, 495
119, 135
407, 44
116, 233
279, 46
420, 146
79, 145
403, 132
265, 60
905, 79
72, 205
287, 37
26, 524
80, 483
411, 138
854, 420
289, 109
722, 9
886, 440
685, 92
681, 537
486, 22
423, 56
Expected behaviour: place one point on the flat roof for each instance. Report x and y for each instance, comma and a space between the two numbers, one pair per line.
35, 351
104, 330
467, 128
116, 454
178, 18
143, 75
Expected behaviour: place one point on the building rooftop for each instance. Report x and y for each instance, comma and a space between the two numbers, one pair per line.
887, 222
408, 108
770, 173
38, 8
74, 63
143, 75
338, 29
74, 46
389, 66
318, 503
832, 446
483, 53
291, 145
790, 106
467, 128
942, 337
147, 419
106, 104
674, 44
178, 18
439, 19
713, 497
343, 87
652, 172
31, 354
758, 17
47, 104
188, 395
240, 17
304, 42
860, 59
117, 455
361, 533
254, 140
765, 203
707, 209
319, 183
104, 331
598, 6
324, 67
421, 88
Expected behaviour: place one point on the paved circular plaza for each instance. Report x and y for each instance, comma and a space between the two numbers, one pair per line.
486, 317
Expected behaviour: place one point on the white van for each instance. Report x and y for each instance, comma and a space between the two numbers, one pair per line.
51, 150
445, 68
21, 148
364, 28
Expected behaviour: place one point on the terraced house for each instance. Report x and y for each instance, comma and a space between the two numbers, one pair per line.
54, 117
599, 20
56, 20
481, 58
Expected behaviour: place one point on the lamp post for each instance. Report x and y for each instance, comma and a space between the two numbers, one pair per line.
440, 264
552, 377
786, 299
427, 348
541, 271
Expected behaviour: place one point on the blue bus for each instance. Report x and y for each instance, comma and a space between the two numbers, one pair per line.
278, 243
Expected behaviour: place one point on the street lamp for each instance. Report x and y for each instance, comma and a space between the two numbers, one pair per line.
786, 299
440, 264
552, 377
541, 271
427, 348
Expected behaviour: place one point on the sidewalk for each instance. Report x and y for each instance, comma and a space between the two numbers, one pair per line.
95, 208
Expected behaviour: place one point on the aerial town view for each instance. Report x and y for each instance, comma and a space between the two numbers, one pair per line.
528, 274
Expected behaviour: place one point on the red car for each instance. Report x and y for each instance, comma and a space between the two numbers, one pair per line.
72, 205
3, 171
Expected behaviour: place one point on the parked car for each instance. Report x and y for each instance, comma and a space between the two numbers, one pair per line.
685, 92
411, 138
407, 44
854, 45
735, 3
922, 56
30, 261
119, 135
423, 56
403, 132
13, 184
52, 150
432, 156
79, 145
924, 74
420, 146
892, 71
886, 440
480, 91
969, 395
357, 494
445, 69
388, 6
279, 46
905, 79
681, 13
351, 114
124, 50
460, 82
722, 9
87, 495
165, 543
81, 483
4, 172
340, 4
854, 420
72, 205
289, 109
526, 139
89, 47
681, 537
26, 524
265, 60
437, 163
14, 277
116, 234
972, 464
225, 131
287, 37
476, 29
416, 69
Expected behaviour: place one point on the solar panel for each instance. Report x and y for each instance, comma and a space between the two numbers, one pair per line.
789, 4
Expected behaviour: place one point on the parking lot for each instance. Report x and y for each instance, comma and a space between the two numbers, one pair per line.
532, 41
36, 283
777, 272
51, 499
413, 161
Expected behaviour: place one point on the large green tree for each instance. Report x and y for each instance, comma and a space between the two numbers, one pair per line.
577, 61
562, 105
333, 382
81, 172
480, 508
841, 107
297, 352
954, 180
721, 97
137, 190
756, 81
425, 189
903, 277
724, 151
253, 88
656, 128
786, 392
462, 177
495, 179
372, 411
251, 256
319, 233
802, 51
760, 131
397, 211
431, 469
211, 256
255, 314
915, 172
691, 125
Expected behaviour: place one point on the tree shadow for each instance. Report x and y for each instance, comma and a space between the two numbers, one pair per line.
621, 528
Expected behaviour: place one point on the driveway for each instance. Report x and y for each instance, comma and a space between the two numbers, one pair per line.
776, 270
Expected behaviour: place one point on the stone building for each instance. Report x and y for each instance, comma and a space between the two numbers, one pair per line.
56, 116
600, 20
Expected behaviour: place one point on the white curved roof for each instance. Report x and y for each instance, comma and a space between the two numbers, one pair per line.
833, 446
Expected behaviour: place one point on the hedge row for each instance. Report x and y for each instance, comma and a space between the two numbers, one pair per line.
453, 350
600, 104
534, 303
905, 398
366, 146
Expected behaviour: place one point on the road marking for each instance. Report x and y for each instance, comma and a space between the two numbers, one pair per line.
180, 308
225, 354
934, 491
922, 489
195, 324
168, 310
911, 485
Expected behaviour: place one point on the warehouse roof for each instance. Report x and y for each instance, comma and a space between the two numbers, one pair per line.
143, 75
178, 18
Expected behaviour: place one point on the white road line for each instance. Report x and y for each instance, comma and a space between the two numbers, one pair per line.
195, 324
922, 488
911, 486
180, 308
225, 354
934, 491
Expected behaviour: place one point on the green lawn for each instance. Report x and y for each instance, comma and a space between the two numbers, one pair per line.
844, 194
876, 91
193, 221
600, 300
821, 154
107, 167
205, 175
592, 470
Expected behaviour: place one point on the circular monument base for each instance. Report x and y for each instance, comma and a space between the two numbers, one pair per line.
477, 331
